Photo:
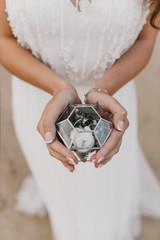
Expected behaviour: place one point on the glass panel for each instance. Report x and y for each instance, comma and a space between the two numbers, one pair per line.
63, 115
84, 141
96, 144
64, 130
84, 116
102, 113
102, 131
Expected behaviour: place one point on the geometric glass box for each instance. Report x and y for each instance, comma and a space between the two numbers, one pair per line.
84, 129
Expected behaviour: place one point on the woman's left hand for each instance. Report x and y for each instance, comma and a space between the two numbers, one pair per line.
120, 121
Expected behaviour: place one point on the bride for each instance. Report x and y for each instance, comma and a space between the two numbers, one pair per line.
61, 49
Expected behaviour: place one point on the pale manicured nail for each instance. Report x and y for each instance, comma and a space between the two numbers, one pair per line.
69, 169
71, 161
48, 137
121, 125
93, 161
100, 159
100, 165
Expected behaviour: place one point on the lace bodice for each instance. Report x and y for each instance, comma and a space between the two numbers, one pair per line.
78, 45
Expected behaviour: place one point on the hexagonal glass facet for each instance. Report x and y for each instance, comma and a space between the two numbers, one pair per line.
83, 116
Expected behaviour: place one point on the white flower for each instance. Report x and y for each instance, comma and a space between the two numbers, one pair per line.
82, 140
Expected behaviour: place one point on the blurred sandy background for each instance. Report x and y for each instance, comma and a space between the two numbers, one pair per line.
13, 168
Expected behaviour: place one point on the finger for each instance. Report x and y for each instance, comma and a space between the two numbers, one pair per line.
110, 156
71, 168
64, 161
79, 101
55, 107
120, 121
119, 113
48, 131
46, 126
63, 151
109, 103
93, 158
59, 103
109, 146
103, 163
109, 114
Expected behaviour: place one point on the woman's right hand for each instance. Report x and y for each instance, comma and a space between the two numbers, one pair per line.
46, 126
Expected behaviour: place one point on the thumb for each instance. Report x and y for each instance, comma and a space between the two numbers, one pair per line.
120, 121
49, 132
79, 101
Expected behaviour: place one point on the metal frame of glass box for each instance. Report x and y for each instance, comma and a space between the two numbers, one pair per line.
72, 115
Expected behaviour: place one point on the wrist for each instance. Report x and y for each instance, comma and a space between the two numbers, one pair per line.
108, 82
96, 89
101, 88
61, 84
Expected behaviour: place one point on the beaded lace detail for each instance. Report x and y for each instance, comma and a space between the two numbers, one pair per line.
78, 45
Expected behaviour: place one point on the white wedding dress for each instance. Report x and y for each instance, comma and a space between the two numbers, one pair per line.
89, 204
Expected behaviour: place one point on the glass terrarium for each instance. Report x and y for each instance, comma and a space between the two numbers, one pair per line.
84, 129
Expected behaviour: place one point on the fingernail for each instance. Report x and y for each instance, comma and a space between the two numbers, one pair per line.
71, 161
100, 165
93, 161
121, 125
100, 159
48, 137
69, 169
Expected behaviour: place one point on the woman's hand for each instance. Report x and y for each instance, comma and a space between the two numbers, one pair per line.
46, 126
121, 123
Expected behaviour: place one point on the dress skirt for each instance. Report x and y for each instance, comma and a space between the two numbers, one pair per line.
88, 204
